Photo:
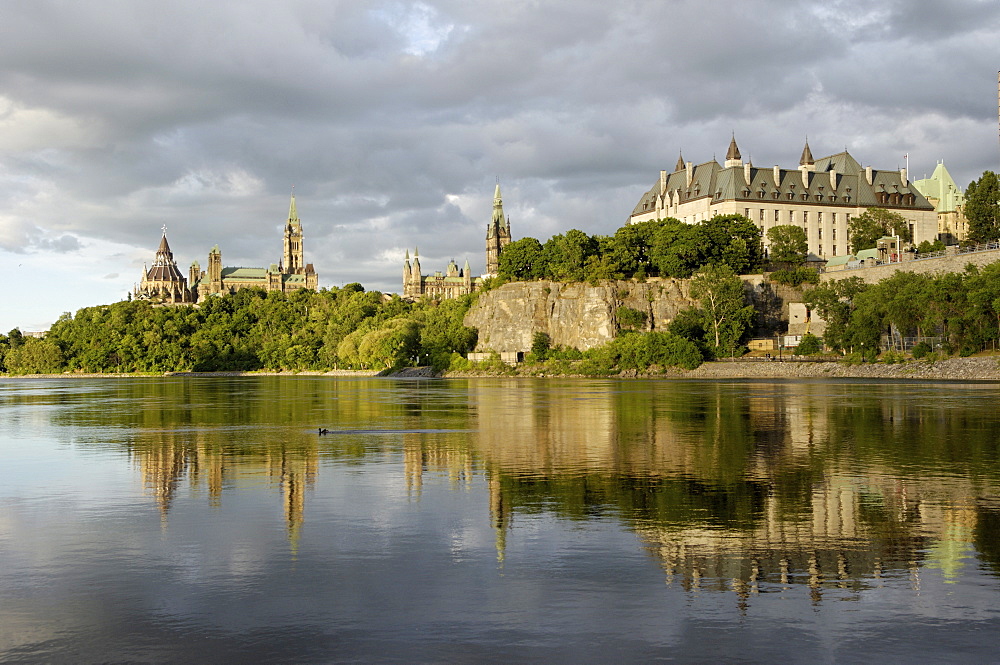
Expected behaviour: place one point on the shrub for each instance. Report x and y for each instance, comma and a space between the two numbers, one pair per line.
920, 350
631, 318
795, 276
810, 345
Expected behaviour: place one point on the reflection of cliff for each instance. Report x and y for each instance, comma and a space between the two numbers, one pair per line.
737, 484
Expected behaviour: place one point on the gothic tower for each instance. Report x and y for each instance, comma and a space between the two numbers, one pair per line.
497, 235
292, 262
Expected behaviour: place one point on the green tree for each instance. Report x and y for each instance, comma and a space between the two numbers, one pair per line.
540, 345
566, 255
522, 260
809, 345
723, 305
34, 356
834, 301
982, 208
865, 229
789, 245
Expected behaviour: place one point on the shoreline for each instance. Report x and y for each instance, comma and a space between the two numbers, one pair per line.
982, 368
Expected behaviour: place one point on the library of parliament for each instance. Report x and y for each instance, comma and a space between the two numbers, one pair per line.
164, 283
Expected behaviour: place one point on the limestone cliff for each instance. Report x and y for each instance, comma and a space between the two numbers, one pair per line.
582, 315
578, 315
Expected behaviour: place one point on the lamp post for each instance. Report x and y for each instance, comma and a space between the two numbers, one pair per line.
862, 353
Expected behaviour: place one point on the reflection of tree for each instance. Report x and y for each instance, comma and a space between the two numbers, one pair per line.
738, 485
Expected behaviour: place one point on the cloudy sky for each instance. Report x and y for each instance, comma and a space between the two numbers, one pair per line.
393, 120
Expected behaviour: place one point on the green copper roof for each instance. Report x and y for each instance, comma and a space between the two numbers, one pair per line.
942, 187
293, 214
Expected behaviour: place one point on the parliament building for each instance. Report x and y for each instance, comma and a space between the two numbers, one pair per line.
164, 283
459, 281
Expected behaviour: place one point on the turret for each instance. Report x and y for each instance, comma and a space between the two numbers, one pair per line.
733, 157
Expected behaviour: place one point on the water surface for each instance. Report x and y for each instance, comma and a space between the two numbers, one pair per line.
462, 521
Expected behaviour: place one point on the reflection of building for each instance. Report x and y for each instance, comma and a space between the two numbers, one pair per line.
164, 283
169, 460
820, 195
728, 490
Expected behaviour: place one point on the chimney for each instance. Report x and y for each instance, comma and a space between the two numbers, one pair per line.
663, 182
746, 173
777, 176
805, 178
689, 168
868, 175
902, 177
833, 178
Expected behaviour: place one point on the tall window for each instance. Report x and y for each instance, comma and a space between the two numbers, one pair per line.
746, 212
791, 216
762, 214
819, 218
805, 217
776, 215
834, 217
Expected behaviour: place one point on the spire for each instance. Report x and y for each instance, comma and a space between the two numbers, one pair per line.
733, 157
407, 254
680, 162
293, 214
733, 152
807, 156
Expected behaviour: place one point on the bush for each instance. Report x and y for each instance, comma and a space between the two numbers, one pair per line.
920, 350
795, 276
810, 345
631, 318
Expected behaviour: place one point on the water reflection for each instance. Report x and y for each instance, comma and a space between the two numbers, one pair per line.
734, 486
741, 488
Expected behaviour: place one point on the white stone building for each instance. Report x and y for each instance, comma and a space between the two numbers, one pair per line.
820, 195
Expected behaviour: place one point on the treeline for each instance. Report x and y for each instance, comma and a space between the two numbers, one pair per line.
667, 247
345, 328
962, 309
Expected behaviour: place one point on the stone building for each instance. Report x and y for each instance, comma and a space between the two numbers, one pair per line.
452, 284
459, 282
948, 200
163, 282
820, 195
289, 274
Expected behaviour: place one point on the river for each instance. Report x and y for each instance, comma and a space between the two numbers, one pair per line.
195, 519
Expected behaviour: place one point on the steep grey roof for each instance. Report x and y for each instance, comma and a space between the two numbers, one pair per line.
848, 187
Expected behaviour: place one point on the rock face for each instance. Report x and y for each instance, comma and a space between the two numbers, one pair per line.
577, 315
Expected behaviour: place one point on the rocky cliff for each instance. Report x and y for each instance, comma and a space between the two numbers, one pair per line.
582, 315
579, 314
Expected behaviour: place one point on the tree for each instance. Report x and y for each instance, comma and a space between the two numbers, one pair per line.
677, 249
566, 255
865, 229
723, 305
982, 208
789, 245
521, 260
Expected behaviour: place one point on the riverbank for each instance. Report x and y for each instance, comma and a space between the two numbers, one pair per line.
983, 368
90, 375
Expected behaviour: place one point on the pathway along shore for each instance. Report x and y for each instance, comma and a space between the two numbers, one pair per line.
983, 368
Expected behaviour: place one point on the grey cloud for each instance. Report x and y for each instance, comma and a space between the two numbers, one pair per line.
202, 117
